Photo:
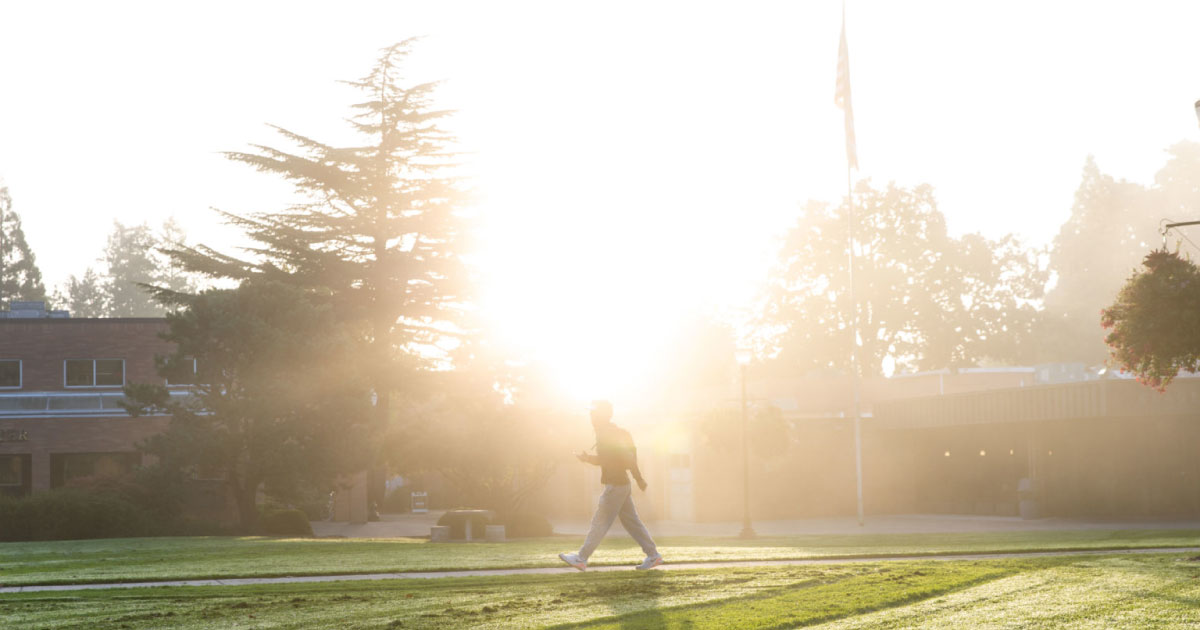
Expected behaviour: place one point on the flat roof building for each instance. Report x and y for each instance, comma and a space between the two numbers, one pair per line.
61, 382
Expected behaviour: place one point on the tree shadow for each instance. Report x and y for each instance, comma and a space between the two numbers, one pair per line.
642, 612
633, 604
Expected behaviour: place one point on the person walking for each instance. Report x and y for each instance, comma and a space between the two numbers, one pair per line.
615, 454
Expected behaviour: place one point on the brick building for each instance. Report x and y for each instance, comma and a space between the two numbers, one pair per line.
60, 384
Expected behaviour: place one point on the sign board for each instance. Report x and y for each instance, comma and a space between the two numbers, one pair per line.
420, 502
14, 435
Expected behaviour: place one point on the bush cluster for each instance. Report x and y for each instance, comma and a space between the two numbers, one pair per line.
73, 513
286, 523
139, 504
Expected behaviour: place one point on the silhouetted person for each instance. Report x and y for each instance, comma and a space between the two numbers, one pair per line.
615, 454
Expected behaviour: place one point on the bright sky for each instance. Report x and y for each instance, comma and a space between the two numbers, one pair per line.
635, 162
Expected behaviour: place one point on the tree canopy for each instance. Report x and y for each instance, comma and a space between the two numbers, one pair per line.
926, 299
132, 263
1113, 224
377, 225
1110, 228
85, 296
278, 402
20, 278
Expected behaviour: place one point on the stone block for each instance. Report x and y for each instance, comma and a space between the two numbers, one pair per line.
495, 533
439, 533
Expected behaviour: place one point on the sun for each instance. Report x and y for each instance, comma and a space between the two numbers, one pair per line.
583, 339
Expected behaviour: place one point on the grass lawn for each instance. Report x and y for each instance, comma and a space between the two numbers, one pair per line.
137, 559
1154, 591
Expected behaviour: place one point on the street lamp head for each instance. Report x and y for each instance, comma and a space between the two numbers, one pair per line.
742, 356
1198, 111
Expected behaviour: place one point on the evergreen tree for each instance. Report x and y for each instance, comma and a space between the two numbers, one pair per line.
137, 265
85, 297
20, 278
377, 227
128, 257
168, 274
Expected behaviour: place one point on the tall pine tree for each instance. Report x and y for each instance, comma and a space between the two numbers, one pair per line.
85, 296
20, 278
378, 226
129, 259
135, 267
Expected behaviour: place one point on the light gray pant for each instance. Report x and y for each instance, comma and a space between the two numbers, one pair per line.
616, 501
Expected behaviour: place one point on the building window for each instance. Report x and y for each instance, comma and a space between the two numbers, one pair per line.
68, 467
94, 372
181, 372
10, 373
14, 475
10, 471
110, 372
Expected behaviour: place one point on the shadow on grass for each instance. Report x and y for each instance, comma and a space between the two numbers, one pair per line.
808, 602
634, 604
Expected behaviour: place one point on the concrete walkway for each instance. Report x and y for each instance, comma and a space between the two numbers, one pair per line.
417, 525
568, 570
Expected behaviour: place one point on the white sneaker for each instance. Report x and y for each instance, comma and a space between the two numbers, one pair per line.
650, 562
574, 560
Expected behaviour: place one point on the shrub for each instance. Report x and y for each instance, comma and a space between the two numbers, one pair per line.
71, 514
200, 527
526, 525
316, 509
457, 521
286, 523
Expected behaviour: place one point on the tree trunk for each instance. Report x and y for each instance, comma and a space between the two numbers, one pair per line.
246, 496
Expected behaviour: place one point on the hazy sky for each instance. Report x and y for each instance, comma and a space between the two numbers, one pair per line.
634, 161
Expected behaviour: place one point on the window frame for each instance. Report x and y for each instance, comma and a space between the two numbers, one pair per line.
93, 384
20, 374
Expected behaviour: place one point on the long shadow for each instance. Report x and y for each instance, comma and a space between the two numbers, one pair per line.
633, 604
635, 615
648, 613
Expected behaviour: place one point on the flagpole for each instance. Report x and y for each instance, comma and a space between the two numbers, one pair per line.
842, 99
854, 378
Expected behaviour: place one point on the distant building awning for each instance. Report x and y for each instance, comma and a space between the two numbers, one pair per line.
1091, 399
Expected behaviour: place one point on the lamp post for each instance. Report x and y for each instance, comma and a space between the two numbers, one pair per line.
743, 360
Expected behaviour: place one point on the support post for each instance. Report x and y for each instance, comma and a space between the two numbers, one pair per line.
747, 529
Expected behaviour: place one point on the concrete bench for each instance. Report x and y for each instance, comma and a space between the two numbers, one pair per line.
495, 533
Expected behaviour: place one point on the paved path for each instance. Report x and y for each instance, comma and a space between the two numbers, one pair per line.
417, 525
568, 570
